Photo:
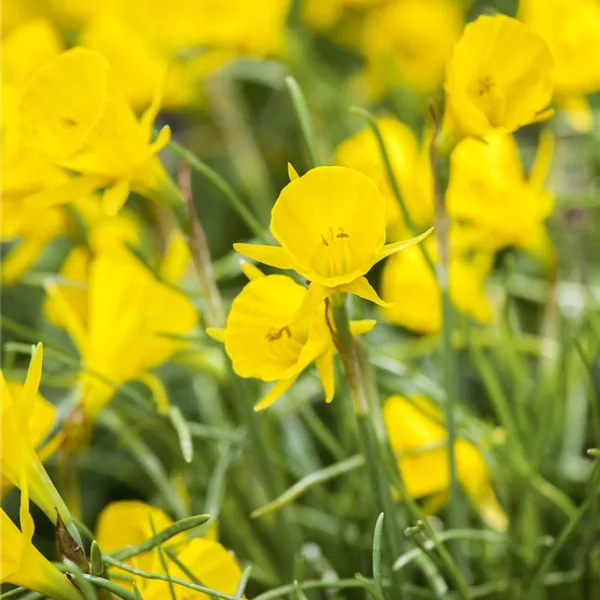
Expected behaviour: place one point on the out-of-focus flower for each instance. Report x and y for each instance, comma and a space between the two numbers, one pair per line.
264, 340
21, 563
489, 192
130, 522
499, 78
409, 42
41, 420
410, 164
18, 457
73, 112
414, 426
331, 226
124, 324
323, 15
572, 31
410, 287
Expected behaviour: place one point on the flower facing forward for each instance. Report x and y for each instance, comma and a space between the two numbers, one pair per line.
498, 79
132, 522
490, 193
264, 340
572, 30
73, 112
331, 227
18, 456
21, 564
409, 163
413, 428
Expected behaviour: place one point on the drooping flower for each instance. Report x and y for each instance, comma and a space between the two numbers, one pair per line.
132, 522
414, 426
409, 43
21, 563
489, 192
18, 456
499, 78
409, 163
73, 112
331, 226
572, 31
410, 286
123, 325
264, 340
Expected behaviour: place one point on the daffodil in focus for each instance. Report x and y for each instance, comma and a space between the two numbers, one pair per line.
411, 169
73, 112
18, 456
499, 79
413, 427
331, 226
21, 564
489, 192
409, 42
132, 522
264, 340
572, 31
123, 325
410, 286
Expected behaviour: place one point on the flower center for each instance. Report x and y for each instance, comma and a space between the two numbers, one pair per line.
334, 255
275, 334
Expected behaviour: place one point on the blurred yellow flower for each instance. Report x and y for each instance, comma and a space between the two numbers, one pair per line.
499, 78
331, 227
263, 339
18, 457
73, 112
413, 427
21, 564
572, 31
409, 42
324, 14
410, 164
121, 324
489, 192
131, 522
409, 285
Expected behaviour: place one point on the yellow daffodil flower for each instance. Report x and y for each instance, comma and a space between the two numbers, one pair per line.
409, 285
331, 227
132, 522
415, 425
263, 340
21, 563
410, 165
489, 191
73, 112
572, 31
120, 324
17, 452
324, 14
499, 78
409, 43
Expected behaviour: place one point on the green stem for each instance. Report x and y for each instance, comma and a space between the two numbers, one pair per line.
303, 115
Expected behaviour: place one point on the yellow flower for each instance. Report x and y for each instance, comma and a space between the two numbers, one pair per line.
499, 78
264, 340
324, 14
121, 324
21, 563
489, 192
572, 31
410, 42
412, 427
331, 227
18, 456
73, 112
132, 522
410, 165
410, 286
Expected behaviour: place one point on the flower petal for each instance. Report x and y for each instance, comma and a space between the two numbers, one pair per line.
275, 393
115, 196
216, 333
398, 246
251, 271
324, 366
361, 327
317, 294
362, 288
274, 256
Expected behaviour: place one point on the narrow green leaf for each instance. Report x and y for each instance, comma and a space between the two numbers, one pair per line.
183, 433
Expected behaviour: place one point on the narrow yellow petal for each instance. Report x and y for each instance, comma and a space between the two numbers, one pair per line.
397, 246
543, 160
362, 288
216, 333
70, 319
20, 259
274, 256
152, 111
324, 366
251, 271
578, 113
115, 196
292, 173
317, 294
159, 393
360, 327
31, 387
162, 139
275, 393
